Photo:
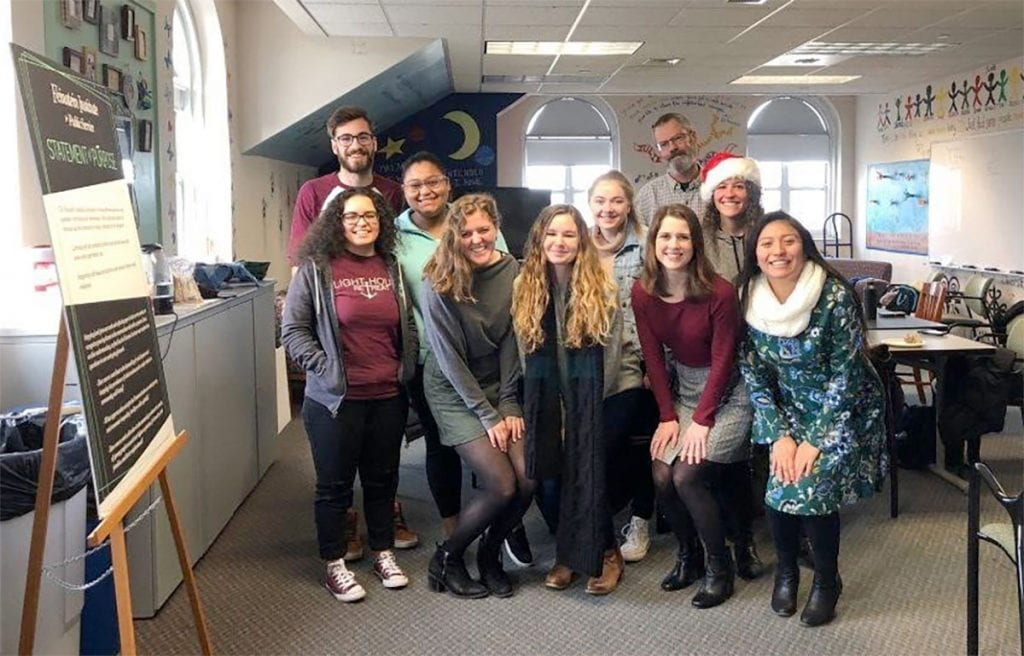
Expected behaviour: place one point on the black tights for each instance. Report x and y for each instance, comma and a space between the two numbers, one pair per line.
503, 499
821, 530
682, 494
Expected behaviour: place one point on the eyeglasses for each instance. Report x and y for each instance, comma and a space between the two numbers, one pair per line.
433, 184
364, 139
678, 140
352, 218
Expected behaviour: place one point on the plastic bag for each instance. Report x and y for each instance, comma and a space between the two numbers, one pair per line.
21, 457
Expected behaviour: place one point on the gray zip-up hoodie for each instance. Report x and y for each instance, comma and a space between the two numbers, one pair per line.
309, 332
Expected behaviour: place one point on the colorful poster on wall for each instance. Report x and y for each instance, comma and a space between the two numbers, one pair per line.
897, 207
461, 129
96, 247
720, 123
989, 98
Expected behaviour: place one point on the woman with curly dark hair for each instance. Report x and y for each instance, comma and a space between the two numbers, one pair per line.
347, 322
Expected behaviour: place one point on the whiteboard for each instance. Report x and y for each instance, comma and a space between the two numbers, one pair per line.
976, 210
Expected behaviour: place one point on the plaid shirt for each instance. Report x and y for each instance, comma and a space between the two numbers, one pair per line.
663, 190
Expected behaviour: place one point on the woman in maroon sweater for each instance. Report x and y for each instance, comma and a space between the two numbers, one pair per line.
680, 304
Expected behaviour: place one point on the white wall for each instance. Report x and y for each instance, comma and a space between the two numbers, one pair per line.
284, 74
877, 145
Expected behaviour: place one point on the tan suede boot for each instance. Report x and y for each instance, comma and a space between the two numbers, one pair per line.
611, 573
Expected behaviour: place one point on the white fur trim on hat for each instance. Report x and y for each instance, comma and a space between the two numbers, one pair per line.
743, 168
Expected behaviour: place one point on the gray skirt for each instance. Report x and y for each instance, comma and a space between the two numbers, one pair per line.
729, 438
456, 423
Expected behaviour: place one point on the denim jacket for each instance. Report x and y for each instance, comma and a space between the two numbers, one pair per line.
309, 332
623, 368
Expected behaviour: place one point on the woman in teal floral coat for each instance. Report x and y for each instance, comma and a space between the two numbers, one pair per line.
817, 401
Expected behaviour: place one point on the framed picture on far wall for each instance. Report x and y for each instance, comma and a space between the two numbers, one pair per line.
141, 44
110, 31
112, 77
91, 11
127, 23
73, 59
145, 135
71, 13
89, 59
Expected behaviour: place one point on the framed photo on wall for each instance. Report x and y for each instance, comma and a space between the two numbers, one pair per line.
127, 23
112, 77
73, 59
145, 135
89, 59
91, 11
141, 44
71, 13
109, 31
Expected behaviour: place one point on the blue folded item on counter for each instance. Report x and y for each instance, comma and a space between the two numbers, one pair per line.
216, 276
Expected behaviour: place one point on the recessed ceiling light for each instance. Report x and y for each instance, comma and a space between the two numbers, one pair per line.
868, 48
795, 79
591, 48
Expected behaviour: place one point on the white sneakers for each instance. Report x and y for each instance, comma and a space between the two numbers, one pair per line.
341, 582
390, 574
638, 540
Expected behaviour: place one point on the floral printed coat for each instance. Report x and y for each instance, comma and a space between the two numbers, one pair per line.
820, 387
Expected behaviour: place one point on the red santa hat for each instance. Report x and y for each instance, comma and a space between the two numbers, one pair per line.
724, 166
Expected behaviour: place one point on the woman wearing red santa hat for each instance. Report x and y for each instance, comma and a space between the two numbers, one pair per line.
731, 189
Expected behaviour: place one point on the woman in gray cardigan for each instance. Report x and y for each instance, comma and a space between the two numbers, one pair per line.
471, 378
347, 322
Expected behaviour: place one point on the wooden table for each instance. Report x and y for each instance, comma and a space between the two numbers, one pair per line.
932, 355
906, 322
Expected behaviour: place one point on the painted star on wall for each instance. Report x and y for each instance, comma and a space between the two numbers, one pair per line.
392, 148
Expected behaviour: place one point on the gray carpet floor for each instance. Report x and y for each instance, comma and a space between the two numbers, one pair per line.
904, 585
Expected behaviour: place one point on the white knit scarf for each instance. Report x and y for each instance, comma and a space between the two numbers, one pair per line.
766, 314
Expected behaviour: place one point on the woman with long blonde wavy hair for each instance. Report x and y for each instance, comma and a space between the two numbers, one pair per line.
563, 308
471, 380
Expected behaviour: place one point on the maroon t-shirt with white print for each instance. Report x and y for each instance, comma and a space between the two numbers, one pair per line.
368, 320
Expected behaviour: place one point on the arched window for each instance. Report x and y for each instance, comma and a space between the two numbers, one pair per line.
793, 139
202, 164
569, 142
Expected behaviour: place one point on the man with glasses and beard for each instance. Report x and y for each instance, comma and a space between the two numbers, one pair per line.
676, 144
354, 144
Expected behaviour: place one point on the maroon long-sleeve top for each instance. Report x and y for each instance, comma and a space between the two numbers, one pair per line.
701, 333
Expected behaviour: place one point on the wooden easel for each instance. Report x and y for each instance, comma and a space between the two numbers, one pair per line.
112, 513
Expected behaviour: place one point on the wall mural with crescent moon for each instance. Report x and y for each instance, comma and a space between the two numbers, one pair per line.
461, 129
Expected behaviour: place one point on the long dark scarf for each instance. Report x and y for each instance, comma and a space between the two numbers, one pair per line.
579, 460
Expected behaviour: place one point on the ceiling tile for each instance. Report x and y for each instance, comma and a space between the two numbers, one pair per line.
349, 28
615, 32
443, 14
901, 16
515, 15
388, 4
449, 32
613, 16
516, 64
736, 16
853, 34
525, 32
823, 18
996, 15
336, 13
587, 65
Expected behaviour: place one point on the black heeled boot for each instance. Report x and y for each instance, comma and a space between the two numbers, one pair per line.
688, 570
448, 572
748, 564
787, 582
492, 575
821, 605
718, 581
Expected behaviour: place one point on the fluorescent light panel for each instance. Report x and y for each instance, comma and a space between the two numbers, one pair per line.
795, 79
868, 48
549, 48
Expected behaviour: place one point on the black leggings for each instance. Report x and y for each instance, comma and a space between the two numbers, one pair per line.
821, 530
626, 415
444, 469
734, 490
683, 494
503, 499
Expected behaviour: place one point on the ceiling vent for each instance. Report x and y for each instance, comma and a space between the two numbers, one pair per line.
659, 62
